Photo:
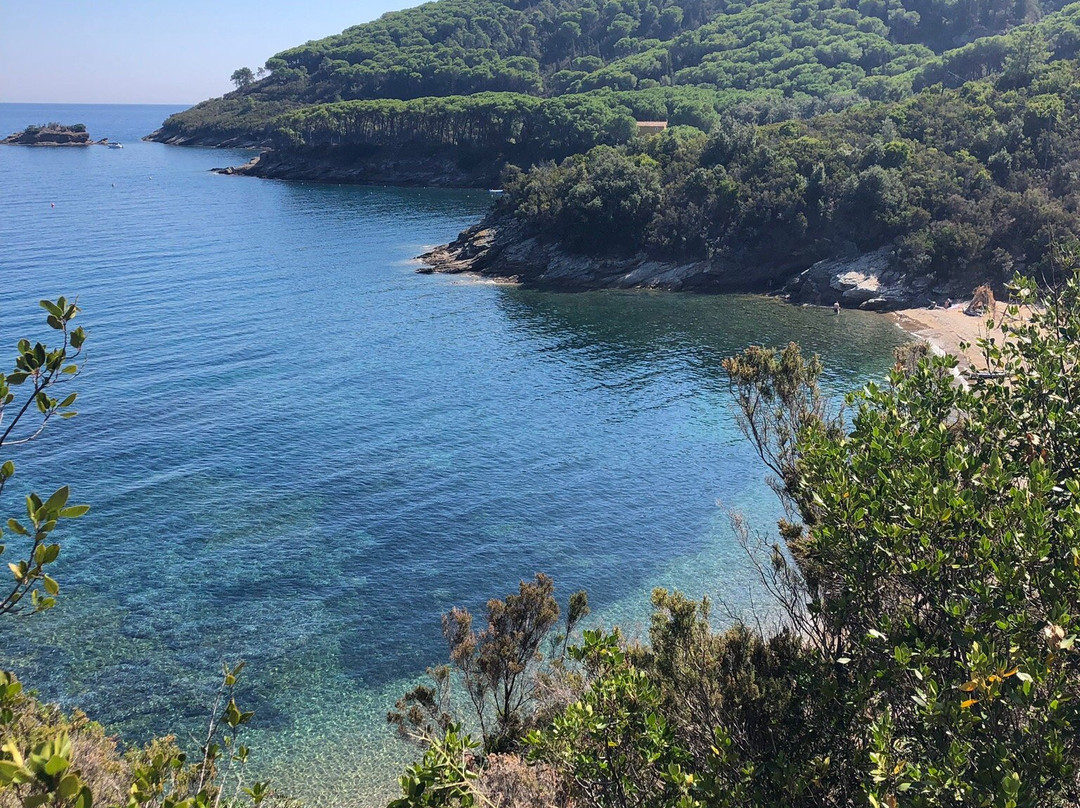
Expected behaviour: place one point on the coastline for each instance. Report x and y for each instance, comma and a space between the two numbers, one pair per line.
497, 251
402, 165
945, 329
501, 246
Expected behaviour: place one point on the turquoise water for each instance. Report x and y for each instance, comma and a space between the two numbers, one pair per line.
299, 452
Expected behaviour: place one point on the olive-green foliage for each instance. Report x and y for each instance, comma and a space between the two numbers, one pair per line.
509, 678
508, 674
929, 575
772, 59
754, 714
32, 726
443, 777
521, 127
614, 745
977, 178
600, 201
29, 399
49, 759
242, 77
954, 628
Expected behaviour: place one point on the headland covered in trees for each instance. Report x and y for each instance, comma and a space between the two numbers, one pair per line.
930, 142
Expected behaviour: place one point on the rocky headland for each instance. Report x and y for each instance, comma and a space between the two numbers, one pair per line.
53, 134
500, 248
407, 165
209, 138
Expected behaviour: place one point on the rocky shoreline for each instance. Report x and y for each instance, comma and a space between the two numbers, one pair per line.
375, 165
212, 140
499, 248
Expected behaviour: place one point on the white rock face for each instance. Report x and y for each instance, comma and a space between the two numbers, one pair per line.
866, 281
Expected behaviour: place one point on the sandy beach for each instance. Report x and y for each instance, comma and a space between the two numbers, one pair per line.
946, 328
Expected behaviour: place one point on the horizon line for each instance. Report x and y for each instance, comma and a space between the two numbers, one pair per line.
108, 103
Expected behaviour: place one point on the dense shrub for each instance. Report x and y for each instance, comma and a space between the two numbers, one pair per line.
926, 583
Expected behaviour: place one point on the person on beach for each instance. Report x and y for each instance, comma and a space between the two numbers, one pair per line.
948, 302
836, 307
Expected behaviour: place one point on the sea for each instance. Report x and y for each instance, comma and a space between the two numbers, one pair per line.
300, 453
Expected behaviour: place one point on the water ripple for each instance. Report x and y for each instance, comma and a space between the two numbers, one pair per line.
300, 452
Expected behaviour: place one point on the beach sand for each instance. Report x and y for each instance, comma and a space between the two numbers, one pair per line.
946, 329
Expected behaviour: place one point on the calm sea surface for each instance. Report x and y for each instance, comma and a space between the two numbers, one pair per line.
300, 453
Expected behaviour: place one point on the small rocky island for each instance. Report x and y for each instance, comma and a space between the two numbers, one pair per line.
53, 134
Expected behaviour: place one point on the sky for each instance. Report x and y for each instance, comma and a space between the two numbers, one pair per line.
155, 51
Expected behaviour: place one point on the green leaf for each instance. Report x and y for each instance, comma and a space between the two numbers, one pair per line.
11, 772
56, 764
74, 511
58, 499
52, 308
68, 787
51, 586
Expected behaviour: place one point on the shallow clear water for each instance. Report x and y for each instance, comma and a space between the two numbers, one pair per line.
299, 452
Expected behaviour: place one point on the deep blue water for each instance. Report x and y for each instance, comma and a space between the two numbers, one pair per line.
299, 452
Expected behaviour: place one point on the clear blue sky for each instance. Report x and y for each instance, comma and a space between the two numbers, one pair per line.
153, 51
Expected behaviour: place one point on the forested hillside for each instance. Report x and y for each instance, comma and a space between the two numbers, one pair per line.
982, 176
774, 59
799, 130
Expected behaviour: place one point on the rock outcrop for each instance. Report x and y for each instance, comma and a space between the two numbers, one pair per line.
52, 134
871, 281
499, 247
503, 250
209, 138
375, 165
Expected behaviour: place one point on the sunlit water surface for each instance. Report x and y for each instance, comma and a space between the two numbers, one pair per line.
299, 452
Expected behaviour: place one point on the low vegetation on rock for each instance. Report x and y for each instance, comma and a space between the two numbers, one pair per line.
50, 134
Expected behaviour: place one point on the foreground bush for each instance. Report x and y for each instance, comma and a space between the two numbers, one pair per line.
927, 582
